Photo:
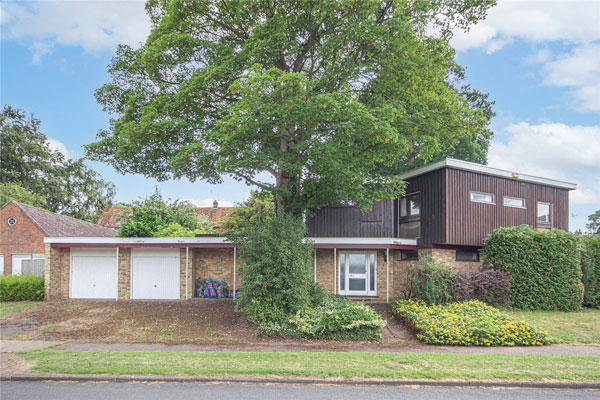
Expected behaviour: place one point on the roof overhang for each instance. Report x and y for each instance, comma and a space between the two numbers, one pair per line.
485, 170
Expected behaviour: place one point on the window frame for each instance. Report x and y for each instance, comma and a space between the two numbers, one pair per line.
403, 254
493, 202
523, 207
465, 259
543, 224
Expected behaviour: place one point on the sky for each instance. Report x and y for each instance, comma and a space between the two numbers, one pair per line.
538, 60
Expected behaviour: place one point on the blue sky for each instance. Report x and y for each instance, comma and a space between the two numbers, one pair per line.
539, 60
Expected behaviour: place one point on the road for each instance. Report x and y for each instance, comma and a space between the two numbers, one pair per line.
179, 391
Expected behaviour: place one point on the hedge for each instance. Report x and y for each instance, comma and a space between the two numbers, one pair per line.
590, 267
19, 288
491, 287
543, 266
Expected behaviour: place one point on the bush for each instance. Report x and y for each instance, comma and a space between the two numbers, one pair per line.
337, 318
20, 288
491, 287
431, 281
543, 266
471, 323
590, 268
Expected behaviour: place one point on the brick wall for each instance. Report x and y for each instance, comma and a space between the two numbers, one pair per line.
124, 273
25, 237
56, 272
448, 256
214, 264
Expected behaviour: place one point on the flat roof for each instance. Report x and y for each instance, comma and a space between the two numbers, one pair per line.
485, 170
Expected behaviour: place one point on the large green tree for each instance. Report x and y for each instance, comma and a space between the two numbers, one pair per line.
14, 191
315, 101
68, 186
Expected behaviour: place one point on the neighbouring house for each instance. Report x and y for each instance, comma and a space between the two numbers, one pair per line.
114, 215
22, 232
448, 209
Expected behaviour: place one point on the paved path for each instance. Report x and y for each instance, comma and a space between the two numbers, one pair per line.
178, 391
11, 346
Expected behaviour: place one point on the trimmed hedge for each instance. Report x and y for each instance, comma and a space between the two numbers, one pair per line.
543, 266
20, 288
491, 287
471, 323
590, 267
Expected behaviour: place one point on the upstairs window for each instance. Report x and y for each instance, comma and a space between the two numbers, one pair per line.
544, 214
514, 202
481, 197
410, 206
410, 216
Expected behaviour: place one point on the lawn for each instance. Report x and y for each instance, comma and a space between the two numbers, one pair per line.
320, 364
565, 327
7, 308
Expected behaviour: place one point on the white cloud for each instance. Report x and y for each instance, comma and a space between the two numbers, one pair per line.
534, 21
57, 145
95, 26
209, 202
556, 151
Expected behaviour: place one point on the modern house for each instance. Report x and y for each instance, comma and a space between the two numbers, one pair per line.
22, 232
448, 209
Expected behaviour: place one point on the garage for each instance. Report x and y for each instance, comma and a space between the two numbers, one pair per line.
155, 273
94, 274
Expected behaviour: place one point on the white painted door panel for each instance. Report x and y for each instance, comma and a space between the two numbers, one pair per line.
155, 274
94, 277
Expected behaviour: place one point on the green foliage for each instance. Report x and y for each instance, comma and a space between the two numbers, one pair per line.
594, 225
67, 185
154, 217
337, 318
257, 209
21, 287
312, 101
590, 268
276, 273
14, 191
543, 266
471, 323
431, 281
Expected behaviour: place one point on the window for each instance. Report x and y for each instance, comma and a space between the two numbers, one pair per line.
467, 255
410, 216
514, 202
480, 197
410, 230
410, 206
544, 214
11, 221
410, 255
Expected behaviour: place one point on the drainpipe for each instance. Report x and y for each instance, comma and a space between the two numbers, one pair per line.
234, 267
315, 265
117, 299
335, 267
186, 271
387, 294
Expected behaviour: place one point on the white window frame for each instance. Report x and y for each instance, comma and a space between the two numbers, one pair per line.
16, 260
346, 292
493, 202
548, 224
524, 206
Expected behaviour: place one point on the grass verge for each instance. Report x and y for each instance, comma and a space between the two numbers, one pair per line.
7, 308
565, 327
321, 364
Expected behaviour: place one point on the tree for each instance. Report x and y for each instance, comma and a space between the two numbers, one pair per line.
322, 97
13, 191
594, 225
155, 217
67, 185
257, 209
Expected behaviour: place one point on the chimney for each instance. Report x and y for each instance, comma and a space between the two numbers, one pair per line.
215, 204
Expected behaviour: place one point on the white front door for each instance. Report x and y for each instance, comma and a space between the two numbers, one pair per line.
94, 274
155, 274
358, 273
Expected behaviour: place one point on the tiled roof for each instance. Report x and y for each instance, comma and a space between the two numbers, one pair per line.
55, 225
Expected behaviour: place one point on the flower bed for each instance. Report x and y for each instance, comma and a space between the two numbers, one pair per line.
471, 323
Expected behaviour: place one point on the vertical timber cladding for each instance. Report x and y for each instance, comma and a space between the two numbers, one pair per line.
469, 222
348, 221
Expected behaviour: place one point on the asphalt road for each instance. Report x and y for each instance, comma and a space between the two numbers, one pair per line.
181, 391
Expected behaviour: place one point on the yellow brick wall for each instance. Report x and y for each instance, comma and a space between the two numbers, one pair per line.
214, 264
124, 273
56, 272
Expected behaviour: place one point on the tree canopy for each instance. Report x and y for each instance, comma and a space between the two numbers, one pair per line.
594, 225
315, 101
68, 186
13, 191
257, 209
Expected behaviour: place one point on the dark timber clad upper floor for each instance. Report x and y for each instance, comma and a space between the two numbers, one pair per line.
453, 203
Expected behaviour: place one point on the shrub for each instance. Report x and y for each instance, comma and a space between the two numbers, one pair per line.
471, 323
337, 318
431, 281
491, 287
543, 266
590, 268
19, 288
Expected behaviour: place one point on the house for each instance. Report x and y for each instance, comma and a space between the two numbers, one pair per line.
114, 215
22, 232
448, 209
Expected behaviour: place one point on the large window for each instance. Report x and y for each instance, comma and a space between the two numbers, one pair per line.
410, 216
481, 197
544, 214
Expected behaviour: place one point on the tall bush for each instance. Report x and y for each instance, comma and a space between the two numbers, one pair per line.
590, 268
21, 287
431, 281
543, 266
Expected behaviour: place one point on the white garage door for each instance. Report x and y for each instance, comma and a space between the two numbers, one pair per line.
155, 274
94, 274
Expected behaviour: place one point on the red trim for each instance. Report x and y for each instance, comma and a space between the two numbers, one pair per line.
365, 246
136, 245
447, 247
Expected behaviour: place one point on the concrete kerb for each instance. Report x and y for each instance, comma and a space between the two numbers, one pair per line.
297, 381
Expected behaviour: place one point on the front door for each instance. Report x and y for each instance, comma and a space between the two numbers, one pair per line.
358, 273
